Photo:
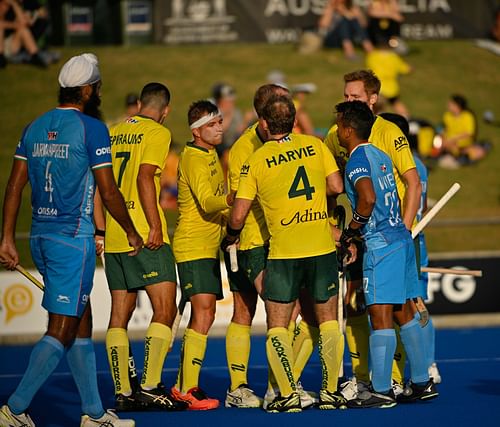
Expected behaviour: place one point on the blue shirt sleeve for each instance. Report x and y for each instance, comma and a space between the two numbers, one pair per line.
21, 153
358, 166
98, 143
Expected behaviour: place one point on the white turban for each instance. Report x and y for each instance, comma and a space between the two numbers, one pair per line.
80, 70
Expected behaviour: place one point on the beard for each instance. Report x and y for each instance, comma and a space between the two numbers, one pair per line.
91, 108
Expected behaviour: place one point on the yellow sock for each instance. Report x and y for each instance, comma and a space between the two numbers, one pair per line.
117, 347
357, 335
280, 358
331, 352
292, 330
303, 345
156, 343
237, 353
193, 353
398, 364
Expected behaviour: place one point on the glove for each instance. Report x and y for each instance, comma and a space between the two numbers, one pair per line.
347, 237
228, 241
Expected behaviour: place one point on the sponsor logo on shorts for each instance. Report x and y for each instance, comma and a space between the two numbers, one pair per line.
85, 298
332, 286
63, 298
149, 275
188, 286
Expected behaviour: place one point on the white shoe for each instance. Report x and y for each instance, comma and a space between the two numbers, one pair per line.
351, 388
307, 398
269, 397
8, 419
434, 373
242, 397
109, 419
397, 388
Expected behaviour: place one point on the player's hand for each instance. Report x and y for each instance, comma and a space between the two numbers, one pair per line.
9, 256
155, 239
351, 254
228, 241
135, 240
348, 251
99, 245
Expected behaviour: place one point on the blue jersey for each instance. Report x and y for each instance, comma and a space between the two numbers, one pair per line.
385, 225
62, 147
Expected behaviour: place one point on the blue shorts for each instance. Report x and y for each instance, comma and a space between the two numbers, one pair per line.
67, 265
390, 273
423, 278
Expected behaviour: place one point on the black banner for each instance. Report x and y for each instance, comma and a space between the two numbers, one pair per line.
454, 294
283, 21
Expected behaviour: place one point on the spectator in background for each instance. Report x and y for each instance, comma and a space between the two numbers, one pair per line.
459, 135
342, 25
131, 104
388, 66
15, 35
495, 30
384, 22
303, 123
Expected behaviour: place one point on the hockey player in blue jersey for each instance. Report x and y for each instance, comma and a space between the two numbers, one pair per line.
63, 154
389, 266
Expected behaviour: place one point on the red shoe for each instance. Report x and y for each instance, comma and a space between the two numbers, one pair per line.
196, 399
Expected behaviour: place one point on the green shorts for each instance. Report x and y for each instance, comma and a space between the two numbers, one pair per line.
124, 272
201, 276
355, 270
250, 263
285, 277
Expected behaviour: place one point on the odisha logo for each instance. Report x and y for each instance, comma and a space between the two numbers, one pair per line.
306, 216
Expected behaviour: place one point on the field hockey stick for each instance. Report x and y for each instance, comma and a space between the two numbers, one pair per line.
30, 277
177, 321
435, 209
233, 257
340, 215
473, 273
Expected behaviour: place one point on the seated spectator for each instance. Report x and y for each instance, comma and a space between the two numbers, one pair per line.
384, 22
458, 136
388, 66
15, 35
343, 25
304, 122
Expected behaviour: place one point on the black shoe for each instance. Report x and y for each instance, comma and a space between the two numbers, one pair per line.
413, 392
128, 403
160, 399
373, 399
285, 404
331, 400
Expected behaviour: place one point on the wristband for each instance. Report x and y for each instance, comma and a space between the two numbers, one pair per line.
233, 232
360, 219
100, 233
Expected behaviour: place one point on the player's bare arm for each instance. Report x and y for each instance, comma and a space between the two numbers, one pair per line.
334, 184
147, 195
412, 196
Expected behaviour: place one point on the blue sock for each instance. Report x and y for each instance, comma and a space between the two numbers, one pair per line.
44, 358
414, 343
81, 361
430, 342
382, 347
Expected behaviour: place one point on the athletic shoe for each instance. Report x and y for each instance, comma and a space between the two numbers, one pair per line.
159, 399
196, 399
269, 397
129, 403
242, 397
397, 388
285, 404
8, 419
434, 373
352, 387
331, 400
414, 392
307, 398
109, 419
373, 399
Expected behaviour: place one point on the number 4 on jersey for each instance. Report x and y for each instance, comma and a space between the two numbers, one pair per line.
301, 180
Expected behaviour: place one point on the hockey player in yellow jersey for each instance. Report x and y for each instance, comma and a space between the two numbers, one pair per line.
291, 176
202, 201
139, 148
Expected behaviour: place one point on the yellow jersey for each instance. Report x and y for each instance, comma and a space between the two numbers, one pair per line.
137, 140
386, 136
288, 178
387, 65
254, 233
201, 201
464, 122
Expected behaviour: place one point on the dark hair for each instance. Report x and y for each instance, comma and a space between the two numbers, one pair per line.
370, 81
399, 121
70, 95
356, 115
279, 113
263, 94
199, 109
460, 101
131, 99
155, 95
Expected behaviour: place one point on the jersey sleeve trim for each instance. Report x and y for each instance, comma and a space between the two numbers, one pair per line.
102, 165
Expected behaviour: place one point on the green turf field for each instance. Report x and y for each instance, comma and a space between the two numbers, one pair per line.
440, 68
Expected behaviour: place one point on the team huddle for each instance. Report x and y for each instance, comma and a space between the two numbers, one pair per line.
278, 213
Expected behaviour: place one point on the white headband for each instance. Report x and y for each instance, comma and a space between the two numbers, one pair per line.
204, 120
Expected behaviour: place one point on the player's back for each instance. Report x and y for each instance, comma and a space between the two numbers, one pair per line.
290, 178
58, 148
